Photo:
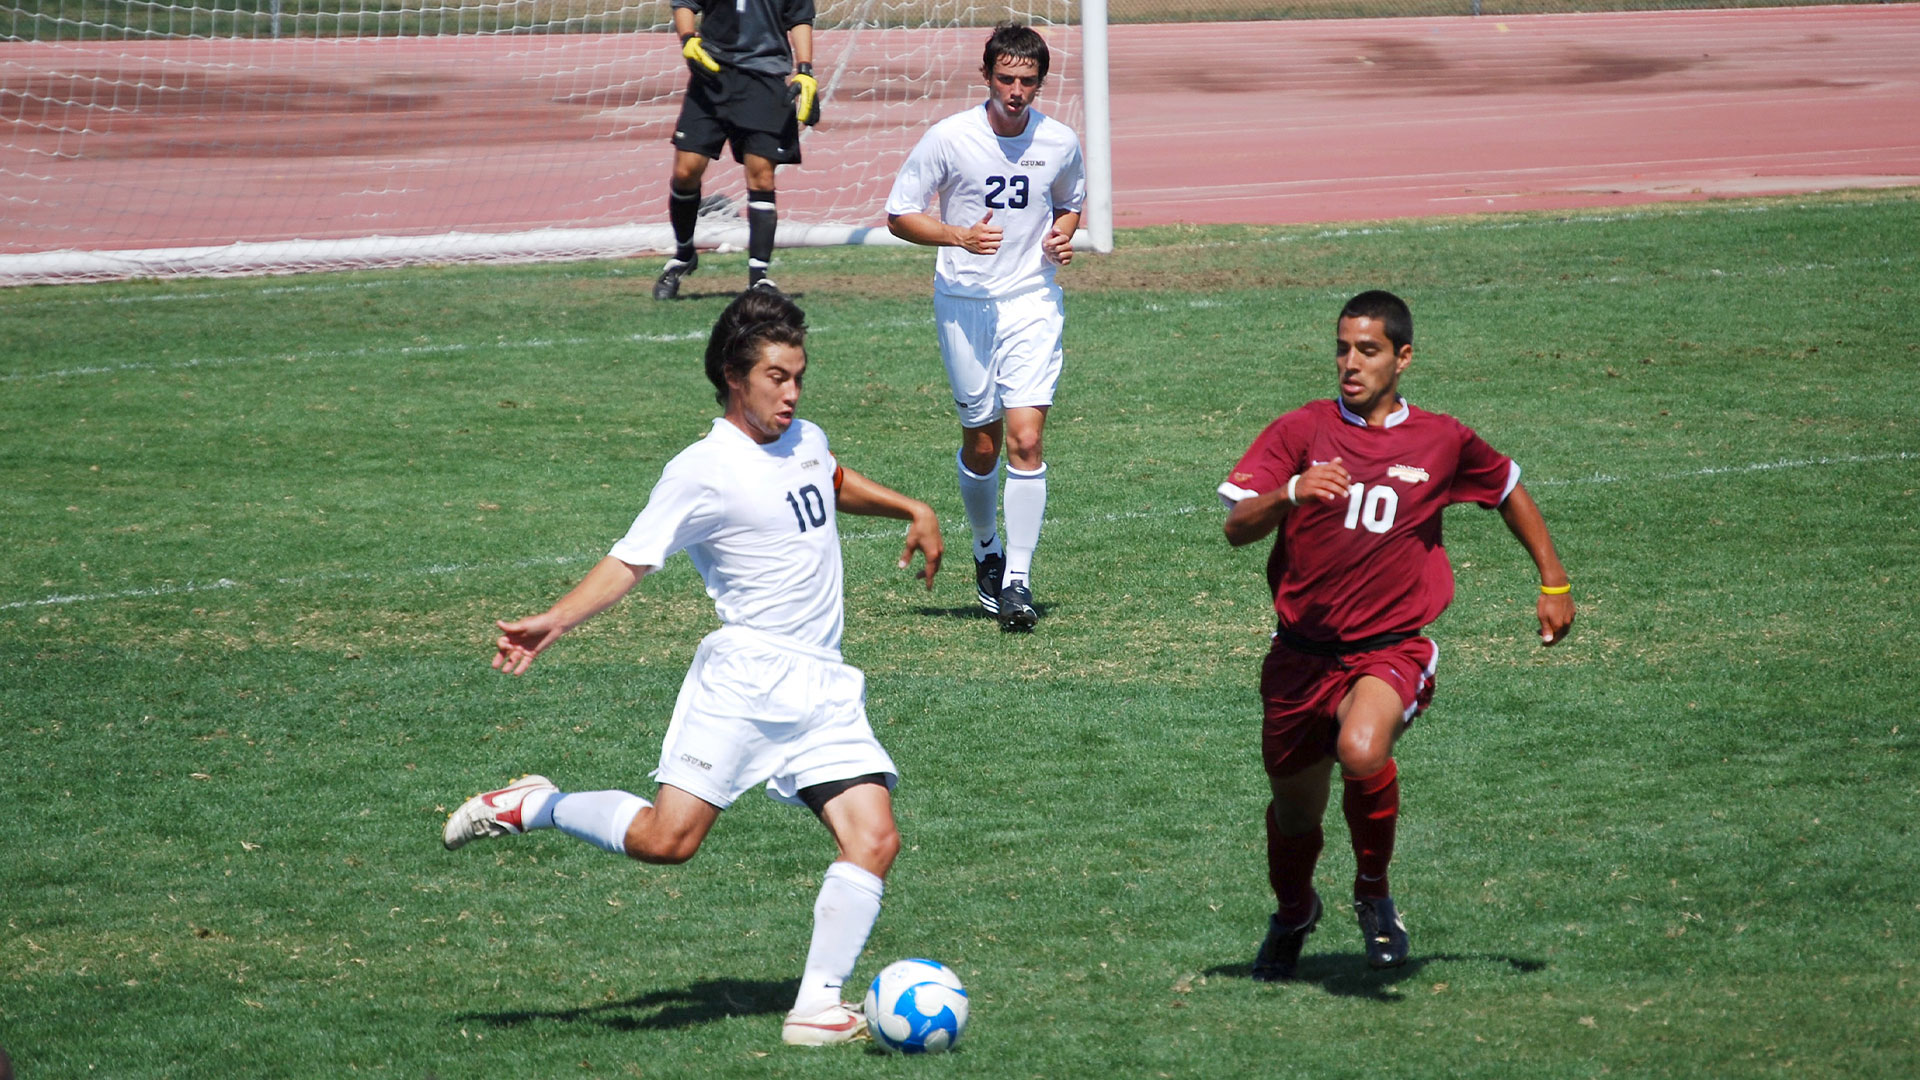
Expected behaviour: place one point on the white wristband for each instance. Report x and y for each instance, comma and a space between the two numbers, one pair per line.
1291, 484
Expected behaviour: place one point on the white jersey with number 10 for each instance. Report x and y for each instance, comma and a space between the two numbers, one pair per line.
758, 522
1023, 180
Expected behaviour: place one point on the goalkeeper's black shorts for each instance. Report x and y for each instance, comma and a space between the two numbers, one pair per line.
751, 111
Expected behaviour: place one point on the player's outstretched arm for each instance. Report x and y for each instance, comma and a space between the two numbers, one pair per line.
929, 231
523, 639
1256, 518
859, 495
1524, 520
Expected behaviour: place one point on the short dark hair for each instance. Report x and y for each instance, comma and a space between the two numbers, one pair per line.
1389, 309
756, 318
1016, 41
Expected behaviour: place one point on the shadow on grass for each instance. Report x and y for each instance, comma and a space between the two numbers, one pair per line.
701, 1003
1349, 976
968, 612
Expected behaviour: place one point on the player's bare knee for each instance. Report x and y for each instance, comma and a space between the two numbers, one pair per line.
874, 850
1363, 753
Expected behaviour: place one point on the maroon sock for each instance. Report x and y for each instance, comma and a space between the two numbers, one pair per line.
1290, 862
1372, 806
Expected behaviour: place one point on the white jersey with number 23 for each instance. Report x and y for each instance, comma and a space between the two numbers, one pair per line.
1023, 180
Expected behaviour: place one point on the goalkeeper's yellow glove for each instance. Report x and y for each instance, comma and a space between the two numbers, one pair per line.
805, 91
698, 61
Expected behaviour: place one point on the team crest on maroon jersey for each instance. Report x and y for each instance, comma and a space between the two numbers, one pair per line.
1410, 473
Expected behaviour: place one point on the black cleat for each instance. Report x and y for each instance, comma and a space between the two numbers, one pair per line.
668, 285
764, 285
1280, 953
986, 573
1385, 934
1016, 607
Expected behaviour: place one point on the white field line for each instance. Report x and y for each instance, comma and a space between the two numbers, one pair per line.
1708, 472
1546, 220
420, 350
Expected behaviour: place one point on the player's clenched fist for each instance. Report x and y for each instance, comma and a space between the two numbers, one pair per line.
1057, 246
983, 238
1326, 482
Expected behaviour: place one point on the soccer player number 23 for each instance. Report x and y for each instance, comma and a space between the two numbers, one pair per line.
1013, 187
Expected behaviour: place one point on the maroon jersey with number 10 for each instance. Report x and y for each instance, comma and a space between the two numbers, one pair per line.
1371, 563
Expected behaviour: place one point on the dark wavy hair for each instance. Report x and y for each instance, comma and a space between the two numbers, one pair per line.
754, 320
1016, 41
1389, 309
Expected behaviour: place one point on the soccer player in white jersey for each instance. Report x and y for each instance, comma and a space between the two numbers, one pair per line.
767, 698
1010, 184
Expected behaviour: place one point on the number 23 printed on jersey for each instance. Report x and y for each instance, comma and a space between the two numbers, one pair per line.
1007, 192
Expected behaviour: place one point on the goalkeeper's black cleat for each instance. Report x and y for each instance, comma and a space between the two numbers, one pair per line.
1385, 934
986, 574
668, 286
1280, 953
1016, 607
764, 285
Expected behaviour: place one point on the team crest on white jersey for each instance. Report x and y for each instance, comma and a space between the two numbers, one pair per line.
1409, 473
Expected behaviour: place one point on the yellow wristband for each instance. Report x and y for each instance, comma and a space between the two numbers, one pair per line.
1556, 590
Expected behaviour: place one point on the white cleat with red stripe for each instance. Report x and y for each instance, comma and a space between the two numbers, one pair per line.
838, 1024
492, 813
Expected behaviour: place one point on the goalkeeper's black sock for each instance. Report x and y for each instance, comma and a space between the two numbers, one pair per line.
762, 216
682, 208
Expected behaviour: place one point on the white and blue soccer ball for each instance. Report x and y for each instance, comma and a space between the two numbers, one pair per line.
916, 1007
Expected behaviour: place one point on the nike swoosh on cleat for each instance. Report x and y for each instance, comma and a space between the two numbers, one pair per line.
844, 1025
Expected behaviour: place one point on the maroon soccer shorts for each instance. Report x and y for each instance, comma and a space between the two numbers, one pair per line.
1302, 693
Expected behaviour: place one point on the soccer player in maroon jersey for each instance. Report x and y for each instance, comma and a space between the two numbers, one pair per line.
1355, 486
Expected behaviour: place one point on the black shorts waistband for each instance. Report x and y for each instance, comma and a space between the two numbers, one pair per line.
1339, 648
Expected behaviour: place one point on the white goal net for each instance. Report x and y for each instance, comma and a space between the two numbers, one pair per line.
259, 136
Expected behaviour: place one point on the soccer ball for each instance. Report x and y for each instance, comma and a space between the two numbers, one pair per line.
916, 1007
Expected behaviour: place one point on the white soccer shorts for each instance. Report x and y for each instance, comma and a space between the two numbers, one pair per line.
1000, 354
755, 707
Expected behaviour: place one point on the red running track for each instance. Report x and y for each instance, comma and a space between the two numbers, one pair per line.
1258, 123
1358, 119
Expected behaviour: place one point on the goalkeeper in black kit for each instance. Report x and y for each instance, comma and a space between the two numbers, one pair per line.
751, 87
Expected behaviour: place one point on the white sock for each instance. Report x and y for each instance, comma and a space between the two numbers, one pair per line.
843, 916
598, 817
1026, 500
536, 812
979, 494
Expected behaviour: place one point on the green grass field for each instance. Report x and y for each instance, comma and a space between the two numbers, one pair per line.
258, 531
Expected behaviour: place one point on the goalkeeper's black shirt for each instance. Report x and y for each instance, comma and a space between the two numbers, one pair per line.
750, 34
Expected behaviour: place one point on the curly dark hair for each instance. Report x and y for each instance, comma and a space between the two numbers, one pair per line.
756, 318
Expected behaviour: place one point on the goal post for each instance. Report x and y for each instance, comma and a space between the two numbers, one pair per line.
207, 137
